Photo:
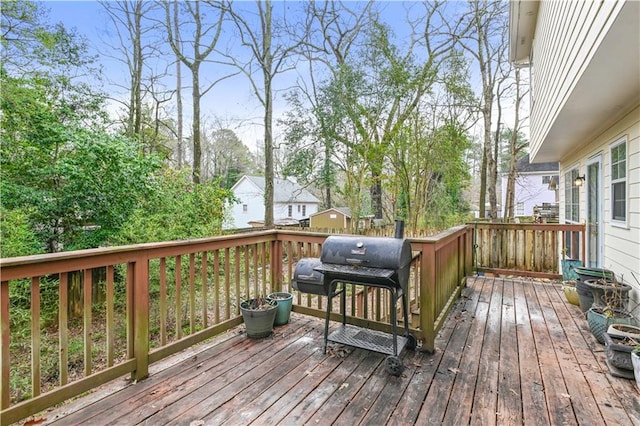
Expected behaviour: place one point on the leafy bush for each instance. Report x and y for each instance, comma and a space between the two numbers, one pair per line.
176, 210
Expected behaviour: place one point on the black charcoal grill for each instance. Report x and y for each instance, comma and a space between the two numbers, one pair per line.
368, 261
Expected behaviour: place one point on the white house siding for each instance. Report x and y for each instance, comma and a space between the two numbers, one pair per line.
621, 244
530, 191
567, 35
251, 196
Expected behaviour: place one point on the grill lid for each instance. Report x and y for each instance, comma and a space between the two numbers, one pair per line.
370, 252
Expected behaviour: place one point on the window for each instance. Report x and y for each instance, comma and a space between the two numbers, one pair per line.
290, 211
304, 211
298, 208
520, 209
245, 208
571, 197
619, 181
546, 180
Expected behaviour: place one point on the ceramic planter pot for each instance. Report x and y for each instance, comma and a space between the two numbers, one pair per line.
635, 360
609, 293
624, 330
568, 268
618, 356
585, 296
593, 273
599, 320
259, 321
284, 301
570, 292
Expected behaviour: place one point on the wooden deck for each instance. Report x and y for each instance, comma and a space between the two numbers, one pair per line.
511, 352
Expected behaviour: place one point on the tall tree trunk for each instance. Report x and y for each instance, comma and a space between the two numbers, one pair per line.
268, 115
178, 87
197, 148
513, 153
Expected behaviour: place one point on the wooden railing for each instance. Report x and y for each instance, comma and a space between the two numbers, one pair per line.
526, 249
163, 297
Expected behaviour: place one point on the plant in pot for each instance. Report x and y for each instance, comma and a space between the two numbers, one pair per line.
635, 360
585, 295
259, 314
285, 301
609, 292
618, 351
608, 309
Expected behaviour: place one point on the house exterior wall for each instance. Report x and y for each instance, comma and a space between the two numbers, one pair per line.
251, 206
530, 191
567, 35
281, 210
250, 195
621, 243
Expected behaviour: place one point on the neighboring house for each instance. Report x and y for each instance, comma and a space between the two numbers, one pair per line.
532, 186
584, 60
335, 218
291, 202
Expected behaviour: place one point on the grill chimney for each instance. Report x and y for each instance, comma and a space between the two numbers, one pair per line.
399, 229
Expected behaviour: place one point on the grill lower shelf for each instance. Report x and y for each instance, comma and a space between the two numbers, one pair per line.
371, 340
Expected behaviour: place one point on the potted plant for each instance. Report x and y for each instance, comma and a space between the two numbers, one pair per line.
624, 330
568, 267
258, 315
585, 295
284, 300
609, 292
635, 360
571, 292
600, 319
618, 351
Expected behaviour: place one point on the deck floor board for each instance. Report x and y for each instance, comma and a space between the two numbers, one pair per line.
512, 351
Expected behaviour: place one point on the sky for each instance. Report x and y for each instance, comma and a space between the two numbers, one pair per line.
231, 101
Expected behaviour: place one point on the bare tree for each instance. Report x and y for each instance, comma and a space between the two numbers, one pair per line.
271, 48
135, 48
201, 40
487, 43
179, 108
514, 149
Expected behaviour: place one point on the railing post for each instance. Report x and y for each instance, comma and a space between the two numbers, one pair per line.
276, 264
4, 345
428, 295
469, 252
141, 318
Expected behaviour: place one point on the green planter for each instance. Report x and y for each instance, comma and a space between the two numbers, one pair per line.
593, 273
568, 269
285, 302
259, 315
599, 321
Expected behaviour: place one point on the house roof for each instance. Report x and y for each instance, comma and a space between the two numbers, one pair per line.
522, 24
602, 89
525, 166
284, 191
344, 210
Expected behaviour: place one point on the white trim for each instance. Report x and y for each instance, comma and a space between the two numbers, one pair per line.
616, 143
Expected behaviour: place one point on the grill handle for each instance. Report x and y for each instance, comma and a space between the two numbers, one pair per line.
399, 229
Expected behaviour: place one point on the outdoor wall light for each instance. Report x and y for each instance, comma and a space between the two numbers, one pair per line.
579, 181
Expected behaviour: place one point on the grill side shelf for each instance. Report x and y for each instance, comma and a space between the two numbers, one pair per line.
353, 271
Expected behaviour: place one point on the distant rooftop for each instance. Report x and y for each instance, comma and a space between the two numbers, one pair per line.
285, 191
525, 166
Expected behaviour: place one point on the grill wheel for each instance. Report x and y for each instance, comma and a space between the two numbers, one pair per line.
394, 365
